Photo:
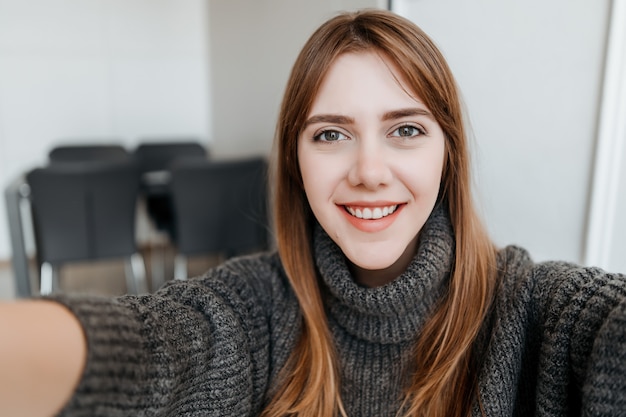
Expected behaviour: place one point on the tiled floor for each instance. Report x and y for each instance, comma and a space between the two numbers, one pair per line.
105, 278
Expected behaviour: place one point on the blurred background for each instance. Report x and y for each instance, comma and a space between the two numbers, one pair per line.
543, 83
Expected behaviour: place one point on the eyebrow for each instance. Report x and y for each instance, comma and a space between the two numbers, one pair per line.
328, 118
412, 111
346, 120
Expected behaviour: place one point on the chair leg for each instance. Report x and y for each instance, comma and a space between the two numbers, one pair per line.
157, 264
55, 278
49, 278
180, 266
45, 279
136, 274
131, 285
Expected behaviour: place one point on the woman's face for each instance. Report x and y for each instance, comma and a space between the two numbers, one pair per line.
371, 158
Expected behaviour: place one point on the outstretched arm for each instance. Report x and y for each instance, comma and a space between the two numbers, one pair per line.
42, 355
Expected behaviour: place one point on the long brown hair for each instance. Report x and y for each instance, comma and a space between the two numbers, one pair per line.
445, 384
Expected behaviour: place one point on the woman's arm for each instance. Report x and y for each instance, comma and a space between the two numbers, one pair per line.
583, 353
42, 355
199, 347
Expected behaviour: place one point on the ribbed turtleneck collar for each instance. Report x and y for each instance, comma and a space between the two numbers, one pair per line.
395, 312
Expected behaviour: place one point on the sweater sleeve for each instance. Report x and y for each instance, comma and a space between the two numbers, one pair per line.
583, 354
604, 390
194, 348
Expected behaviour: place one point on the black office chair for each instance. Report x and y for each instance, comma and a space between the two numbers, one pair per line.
220, 207
88, 153
153, 158
157, 156
85, 212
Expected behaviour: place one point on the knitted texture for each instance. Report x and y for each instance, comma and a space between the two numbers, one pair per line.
213, 345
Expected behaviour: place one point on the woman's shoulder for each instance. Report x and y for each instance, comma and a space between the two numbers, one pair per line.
263, 268
258, 275
515, 262
558, 273
557, 284
260, 265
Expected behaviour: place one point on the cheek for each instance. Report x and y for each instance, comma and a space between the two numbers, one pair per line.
315, 179
321, 173
423, 174
306, 165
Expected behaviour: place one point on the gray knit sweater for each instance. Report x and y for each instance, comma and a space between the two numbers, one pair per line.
213, 345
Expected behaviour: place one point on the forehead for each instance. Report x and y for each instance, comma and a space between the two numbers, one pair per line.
357, 80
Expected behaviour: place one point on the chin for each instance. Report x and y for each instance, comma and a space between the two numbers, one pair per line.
373, 262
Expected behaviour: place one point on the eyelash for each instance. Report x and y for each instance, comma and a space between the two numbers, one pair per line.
420, 131
342, 136
318, 137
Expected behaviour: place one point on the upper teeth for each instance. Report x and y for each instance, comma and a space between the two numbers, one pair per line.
372, 213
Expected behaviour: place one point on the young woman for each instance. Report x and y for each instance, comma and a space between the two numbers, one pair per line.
385, 296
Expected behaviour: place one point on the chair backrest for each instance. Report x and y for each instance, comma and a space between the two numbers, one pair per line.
158, 156
87, 153
220, 206
84, 211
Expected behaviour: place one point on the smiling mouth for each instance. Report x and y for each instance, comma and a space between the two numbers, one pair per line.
371, 213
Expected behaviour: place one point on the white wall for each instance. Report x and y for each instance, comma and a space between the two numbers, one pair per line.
531, 74
253, 46
98, 69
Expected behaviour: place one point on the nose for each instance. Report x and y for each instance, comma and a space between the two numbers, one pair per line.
370, 168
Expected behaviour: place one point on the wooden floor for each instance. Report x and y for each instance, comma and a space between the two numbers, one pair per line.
107, 277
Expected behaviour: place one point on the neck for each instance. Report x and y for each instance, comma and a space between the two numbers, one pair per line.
380, 277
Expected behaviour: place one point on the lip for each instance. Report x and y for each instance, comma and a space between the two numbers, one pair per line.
371, 225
